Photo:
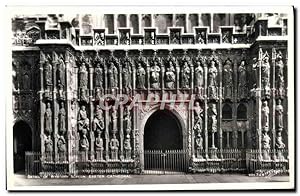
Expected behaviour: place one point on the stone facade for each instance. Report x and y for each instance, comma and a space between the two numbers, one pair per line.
227, 87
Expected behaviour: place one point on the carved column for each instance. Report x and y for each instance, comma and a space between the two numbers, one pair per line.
54, 106
148, 77
106, 90
205, 111
273, 102
133, 76
162, 76
69, 96
220, 109
42, 106
258, 102
121, 131
91, 117
120, 71
177, 76
106, 134
234, 107
192, 78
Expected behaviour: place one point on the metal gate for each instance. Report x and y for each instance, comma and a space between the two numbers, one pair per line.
165, 162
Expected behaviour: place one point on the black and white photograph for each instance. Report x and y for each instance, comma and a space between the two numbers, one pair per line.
150, 98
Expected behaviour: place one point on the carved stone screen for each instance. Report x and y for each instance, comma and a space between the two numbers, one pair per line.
99, 93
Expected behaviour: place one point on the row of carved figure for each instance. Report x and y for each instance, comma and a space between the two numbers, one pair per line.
212, 124
98, 128
151, 73
265, 73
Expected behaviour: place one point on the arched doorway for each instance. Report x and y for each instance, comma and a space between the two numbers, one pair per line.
22, 142
163, 144
162, 132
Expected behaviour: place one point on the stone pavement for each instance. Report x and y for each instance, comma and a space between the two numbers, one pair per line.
21, 180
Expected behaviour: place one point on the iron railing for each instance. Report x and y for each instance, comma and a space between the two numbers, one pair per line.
251, 161
165, 162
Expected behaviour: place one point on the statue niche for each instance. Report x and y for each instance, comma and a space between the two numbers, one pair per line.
48, 73
212, 80
170, 76
48, 143
61, 71
155, 75
198, 126
140, 76
228, 79
112, 75
265, 74
83, 82
198, 78
128, 127
62, 119
265, 116
114, 143
127, 74
279, 116
48, 119
185, 75
279, 75
83, 128
98, 73
98, 128
242, 80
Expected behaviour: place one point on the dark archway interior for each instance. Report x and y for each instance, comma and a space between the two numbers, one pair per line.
22, 143
162, 132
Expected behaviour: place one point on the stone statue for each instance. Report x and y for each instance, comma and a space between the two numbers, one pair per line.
48, 74
112, 76
140, 77
98, 123
265, 72
48, 119
198, 75
227, 78
127, 121
170, 76
61, 71
26, 81
114, 146
279, 115
265, 116
126, 76
62, 119
84, 142
114, 120
98, 76
127, 145
83, 76
279, 74
198, 114
83, 121
279, 142
242, 79
61, 144
254, 72
199, 142
155, 75
212, 80
213, 118
266, 141
98, 127
48, 145
99, 141
186, 74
